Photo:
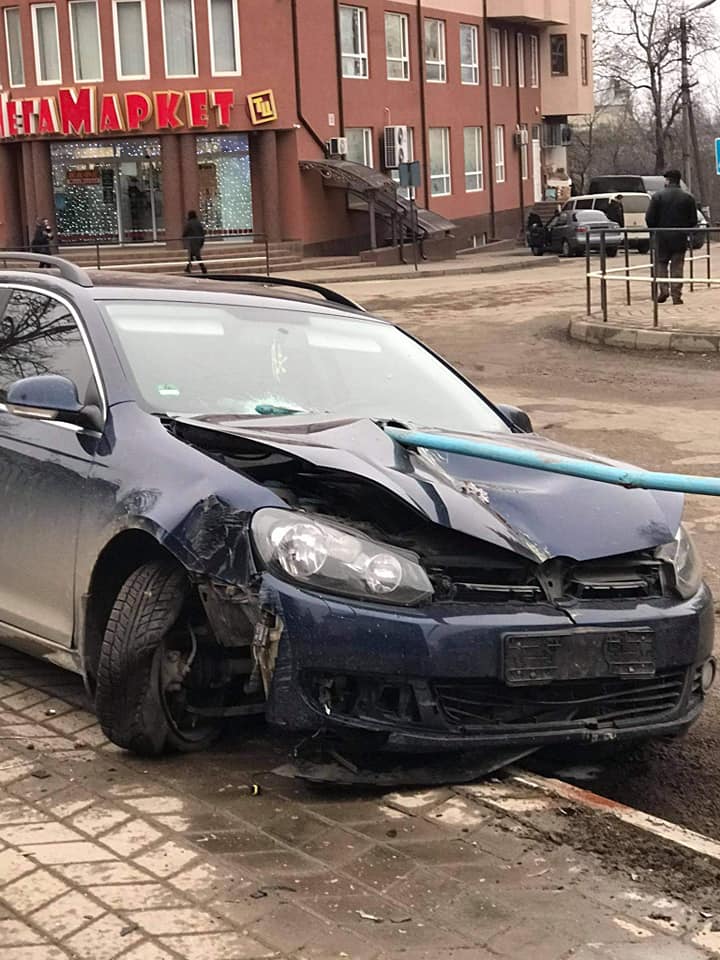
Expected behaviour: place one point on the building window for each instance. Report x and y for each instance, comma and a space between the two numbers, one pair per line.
224, 38
584, 60
85, 31
524, 151
520, 46
359, 142
534, 62
47, 46
353, 42
495, 58
435, 63
397, 46
440, 183
506, 57
558, 55
500, 154
179, 33
13, 38
131, 49
473, 159
469, 63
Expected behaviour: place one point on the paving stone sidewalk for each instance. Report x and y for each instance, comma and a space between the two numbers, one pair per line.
105, 856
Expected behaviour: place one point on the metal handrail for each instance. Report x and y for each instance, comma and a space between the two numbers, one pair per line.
608, 274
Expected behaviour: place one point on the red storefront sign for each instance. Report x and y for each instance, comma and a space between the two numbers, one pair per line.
80, 112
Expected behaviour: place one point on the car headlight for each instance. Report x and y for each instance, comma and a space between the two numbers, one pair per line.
685, 562
331, 558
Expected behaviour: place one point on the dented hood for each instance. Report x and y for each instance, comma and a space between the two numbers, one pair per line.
533, 513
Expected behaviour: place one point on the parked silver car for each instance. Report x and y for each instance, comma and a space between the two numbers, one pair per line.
569, 230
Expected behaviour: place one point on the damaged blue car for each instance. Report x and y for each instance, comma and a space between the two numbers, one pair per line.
204, 515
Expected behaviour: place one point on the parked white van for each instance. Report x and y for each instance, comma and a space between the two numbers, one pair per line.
627, 209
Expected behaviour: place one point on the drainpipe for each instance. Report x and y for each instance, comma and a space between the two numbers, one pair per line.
519, 125
298, 84
491, 132
339, 71
423, 103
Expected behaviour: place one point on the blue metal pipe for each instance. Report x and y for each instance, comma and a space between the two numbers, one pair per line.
621, 477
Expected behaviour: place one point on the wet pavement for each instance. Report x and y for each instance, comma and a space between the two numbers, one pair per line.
103, 855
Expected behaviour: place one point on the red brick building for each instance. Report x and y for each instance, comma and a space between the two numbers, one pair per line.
117, 116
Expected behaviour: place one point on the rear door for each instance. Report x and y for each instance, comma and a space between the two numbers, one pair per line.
44, 468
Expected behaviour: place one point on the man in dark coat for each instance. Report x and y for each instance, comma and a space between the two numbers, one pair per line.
42, 238
671, 207
194, 236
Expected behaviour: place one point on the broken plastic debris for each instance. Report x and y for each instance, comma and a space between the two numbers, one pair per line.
368, 916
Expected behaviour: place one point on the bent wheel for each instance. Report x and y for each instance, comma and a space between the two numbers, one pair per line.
149, 657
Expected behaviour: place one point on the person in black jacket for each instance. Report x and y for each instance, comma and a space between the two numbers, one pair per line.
41, 238
671, 207
194, 236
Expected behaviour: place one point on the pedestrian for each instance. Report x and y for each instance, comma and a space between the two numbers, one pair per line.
615, 210
42, 238
671, 207
194, 237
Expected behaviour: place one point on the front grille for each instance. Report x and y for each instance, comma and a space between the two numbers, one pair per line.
473, 703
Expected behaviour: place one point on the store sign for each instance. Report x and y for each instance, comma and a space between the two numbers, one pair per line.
83, 178
262, 107
79, 111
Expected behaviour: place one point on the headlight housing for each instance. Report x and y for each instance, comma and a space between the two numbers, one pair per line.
329, 557
685, 562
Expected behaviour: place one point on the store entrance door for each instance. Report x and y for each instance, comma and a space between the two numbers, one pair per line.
139, 201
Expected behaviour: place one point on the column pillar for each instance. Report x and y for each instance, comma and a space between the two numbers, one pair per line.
28, 184
267, 155
42, 177
292, 223
11, 219
189, 165
173, 211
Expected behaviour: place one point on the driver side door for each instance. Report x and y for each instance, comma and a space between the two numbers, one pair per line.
44, 466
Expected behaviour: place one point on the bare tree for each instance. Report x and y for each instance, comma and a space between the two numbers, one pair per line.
638, 45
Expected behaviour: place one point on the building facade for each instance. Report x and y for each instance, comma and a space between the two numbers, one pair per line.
117, 116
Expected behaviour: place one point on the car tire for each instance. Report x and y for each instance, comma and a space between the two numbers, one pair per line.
537, 251
566, 249
612, 251
130, 703
643, 247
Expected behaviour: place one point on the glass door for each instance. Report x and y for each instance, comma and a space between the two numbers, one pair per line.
139, 201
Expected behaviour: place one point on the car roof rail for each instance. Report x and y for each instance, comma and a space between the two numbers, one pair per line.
68, 271
332, 296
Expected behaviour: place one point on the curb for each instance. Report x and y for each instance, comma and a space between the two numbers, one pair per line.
597, 333
421, 274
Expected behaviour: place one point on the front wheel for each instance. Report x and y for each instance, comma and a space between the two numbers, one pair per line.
148, 691
643, 247
537, 251
611, 251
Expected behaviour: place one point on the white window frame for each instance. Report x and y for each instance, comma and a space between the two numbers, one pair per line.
15, 86
236, 38
78, 79
500, 171
495, 58
525, 153
367, 138
520, 54
442, 45
506, 56
404, 59
479, 171
447, 164
36, 36
116, 33
534, 61
180, 76
361, 56
474, 65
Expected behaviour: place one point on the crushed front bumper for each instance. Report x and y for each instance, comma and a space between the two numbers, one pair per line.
438, 678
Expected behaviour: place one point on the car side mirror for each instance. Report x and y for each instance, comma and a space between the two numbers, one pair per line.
518, 418
51, 397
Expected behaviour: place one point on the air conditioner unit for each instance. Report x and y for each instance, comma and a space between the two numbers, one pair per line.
397, 147
521, 137
337, 147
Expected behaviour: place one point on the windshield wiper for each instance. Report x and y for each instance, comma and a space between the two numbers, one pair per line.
273, 410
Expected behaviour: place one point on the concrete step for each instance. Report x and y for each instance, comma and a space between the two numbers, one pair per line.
111, 256
215, 265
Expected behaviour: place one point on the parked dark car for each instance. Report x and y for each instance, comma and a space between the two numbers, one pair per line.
204, 516
569, 231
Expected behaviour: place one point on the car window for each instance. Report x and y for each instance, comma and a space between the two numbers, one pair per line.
570, 205
37, 336
210, 358
561, 220
585, 204
637, 204
591, 216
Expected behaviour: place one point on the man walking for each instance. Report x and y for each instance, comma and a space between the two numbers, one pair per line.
194, 236
671, 207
